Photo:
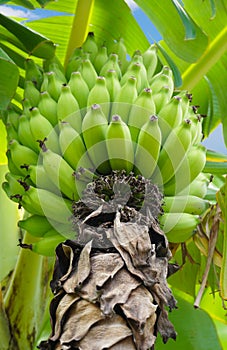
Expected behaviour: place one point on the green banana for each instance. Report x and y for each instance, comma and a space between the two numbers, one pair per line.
11, 132
43, 202
111, 63
150, 60
94, 127
90, 46
14, 184
119, 48
40, 178
135, 71
125, 99
48, 107
13, 118
54, 86
119, 145
88, 73
79, 90
11, 166
57, 69
26, 107
44, 85
25, 135
99, 94
141, 110
73, 148
46, 246
170, 116
59, 172
73, 65
163, 78
162, 97
31, 93
112, 83
173, 152
185, 204
198, 187
42, 129
33, 72
68, 108
188, 170
178, 227
148, 148
22, 157
100, 59
36, 225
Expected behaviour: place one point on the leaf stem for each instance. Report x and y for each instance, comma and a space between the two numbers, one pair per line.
213, 53
4, 326
24, 301
80, 25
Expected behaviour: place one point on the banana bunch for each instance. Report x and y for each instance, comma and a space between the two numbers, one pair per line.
102, 113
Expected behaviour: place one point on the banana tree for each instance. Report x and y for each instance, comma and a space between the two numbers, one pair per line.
145, 201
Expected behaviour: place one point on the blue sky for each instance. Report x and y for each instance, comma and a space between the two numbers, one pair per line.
215, 140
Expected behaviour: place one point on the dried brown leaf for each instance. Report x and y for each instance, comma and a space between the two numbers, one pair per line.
117, 290
125, 344
82, 272
103, 267
105, 334
81, 316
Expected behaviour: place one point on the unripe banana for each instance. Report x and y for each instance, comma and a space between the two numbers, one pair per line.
135, 71
11, 166
178, 227
99, 95
42, 129
36, 225
94, 127
111, 63
25, 134
44, 85
40, 178
189, 169
73, 148
173, 153
68, 108
100, 59
26, 107
186, 204
79, 90
57, 69
125, 99
170, 116
33, 72
31, 93
148, 147
11, 132
120, 49
88, 73
59, 172
14, 184
186, 98
113, 84
12, 118
22, 157
119, 145
46, 246
142, 108
43, 202
48, 107
162, 97
198, 187
163, 78
90, 46
150, 60
54, 86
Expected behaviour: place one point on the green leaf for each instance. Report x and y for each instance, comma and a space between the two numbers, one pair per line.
194, 327
190, 32
33, 43
215, 168
9, 79
166, 18
25, 3
58, 28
